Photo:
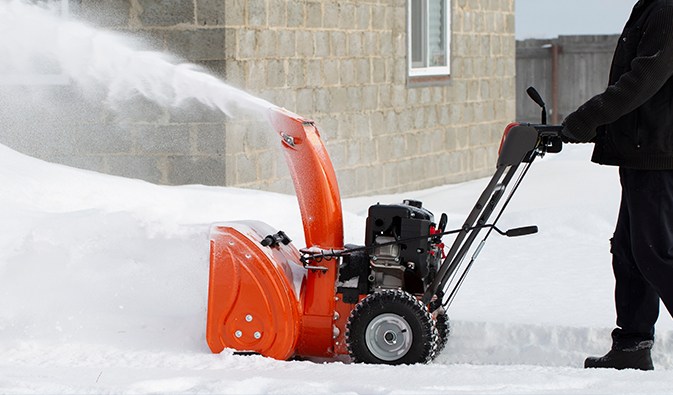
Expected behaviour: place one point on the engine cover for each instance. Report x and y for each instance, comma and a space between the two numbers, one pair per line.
412, 261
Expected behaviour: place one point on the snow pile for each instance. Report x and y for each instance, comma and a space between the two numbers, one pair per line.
103, 280
103, 285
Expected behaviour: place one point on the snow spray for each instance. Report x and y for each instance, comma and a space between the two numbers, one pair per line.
35, 40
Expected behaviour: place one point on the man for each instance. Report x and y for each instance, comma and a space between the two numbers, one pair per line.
631, 124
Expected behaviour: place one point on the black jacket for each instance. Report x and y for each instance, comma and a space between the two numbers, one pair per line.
631, 122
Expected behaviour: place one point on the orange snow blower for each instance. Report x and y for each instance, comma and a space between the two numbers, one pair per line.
384, 302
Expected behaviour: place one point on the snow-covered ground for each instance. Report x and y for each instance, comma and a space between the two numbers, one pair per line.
103, 280
103, 288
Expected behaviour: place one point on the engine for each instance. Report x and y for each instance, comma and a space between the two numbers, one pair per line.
400, 257
401, 251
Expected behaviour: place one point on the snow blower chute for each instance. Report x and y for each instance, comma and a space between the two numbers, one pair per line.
383, 302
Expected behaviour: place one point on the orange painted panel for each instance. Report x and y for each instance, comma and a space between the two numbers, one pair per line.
319, 199
255, 302
314, 179
253, 298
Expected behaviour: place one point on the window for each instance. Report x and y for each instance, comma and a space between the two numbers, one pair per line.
48, 73
429, 38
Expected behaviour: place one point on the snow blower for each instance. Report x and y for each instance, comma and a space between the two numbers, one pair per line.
384, 302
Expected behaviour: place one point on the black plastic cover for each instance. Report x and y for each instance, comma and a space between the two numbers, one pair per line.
407, 223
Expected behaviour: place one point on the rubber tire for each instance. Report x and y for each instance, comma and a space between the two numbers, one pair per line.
425, 336
443, 329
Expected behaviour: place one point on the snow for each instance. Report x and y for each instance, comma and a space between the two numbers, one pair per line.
103, 285
103, 280
109, 68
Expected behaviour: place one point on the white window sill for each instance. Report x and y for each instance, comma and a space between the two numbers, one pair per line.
430, 71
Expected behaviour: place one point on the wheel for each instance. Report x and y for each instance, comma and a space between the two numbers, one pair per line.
443, 329
391, 327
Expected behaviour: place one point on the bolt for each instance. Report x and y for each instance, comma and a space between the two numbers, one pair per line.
336, 316
238, 333
231, 243
248, 318
289, 140
257, 335
248, 256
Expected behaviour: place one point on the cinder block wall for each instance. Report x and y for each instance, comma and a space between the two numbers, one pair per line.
341, 63
169, 146
344, 64
141, 140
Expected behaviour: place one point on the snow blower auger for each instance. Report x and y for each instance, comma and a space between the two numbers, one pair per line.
384, 302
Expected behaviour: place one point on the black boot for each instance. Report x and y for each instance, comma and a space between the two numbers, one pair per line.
634, 358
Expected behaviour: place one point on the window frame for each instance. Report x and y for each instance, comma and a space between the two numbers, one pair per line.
431, 71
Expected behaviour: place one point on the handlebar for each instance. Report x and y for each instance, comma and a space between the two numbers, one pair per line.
550, 138
546, 130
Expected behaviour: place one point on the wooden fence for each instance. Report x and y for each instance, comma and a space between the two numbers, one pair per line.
577, 65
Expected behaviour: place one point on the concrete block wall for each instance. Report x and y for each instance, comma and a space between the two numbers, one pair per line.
169, 146
342, 63
140, 139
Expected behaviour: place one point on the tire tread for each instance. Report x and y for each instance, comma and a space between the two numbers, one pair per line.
381, 300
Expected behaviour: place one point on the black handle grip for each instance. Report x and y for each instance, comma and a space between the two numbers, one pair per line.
442, 223
548, 129
526, 230
535, 95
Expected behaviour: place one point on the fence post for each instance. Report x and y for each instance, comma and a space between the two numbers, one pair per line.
555, 52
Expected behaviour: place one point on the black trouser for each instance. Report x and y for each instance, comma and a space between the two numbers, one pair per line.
642, 250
